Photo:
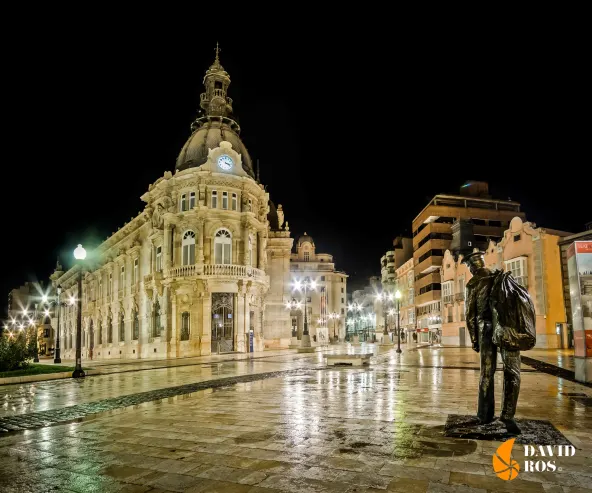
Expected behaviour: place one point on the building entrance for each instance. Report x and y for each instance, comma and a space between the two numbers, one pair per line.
222, 322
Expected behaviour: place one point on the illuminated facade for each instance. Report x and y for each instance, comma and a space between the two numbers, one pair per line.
533, 256
204, 268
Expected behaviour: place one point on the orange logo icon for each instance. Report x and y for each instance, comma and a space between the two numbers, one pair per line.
504, 466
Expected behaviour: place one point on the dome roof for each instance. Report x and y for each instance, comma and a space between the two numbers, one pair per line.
208, 136
305, 238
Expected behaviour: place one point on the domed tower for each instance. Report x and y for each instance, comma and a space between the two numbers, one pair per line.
215, 122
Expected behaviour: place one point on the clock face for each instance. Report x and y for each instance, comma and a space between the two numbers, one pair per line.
225, 162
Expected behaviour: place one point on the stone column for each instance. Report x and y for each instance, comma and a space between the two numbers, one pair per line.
166, 247
173, 347
200, 241
240, 318
206, 323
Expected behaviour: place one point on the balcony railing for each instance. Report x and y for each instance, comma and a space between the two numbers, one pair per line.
223, 270
459, 296
447, 299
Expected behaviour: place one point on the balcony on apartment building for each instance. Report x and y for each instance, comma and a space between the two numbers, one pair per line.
428, 263
422, 299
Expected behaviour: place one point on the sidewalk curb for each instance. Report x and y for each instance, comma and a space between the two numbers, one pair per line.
42, 377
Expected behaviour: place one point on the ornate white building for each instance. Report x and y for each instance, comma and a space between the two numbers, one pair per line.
326, 304
204, 268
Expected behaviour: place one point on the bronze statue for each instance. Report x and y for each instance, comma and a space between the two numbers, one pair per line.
500, 315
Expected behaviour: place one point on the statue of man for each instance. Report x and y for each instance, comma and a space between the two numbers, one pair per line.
500, 315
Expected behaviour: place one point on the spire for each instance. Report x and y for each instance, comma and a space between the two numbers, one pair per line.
214, 101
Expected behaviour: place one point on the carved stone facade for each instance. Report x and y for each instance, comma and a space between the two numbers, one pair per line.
203, 268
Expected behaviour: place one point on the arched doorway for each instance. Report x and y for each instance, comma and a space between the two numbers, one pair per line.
222, 322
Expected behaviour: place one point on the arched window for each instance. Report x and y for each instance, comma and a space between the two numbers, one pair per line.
121, 327
185, 326
110, 330
136, 326
156, 324
223, 247
188, 248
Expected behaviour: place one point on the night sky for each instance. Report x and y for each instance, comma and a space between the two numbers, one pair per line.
353, 136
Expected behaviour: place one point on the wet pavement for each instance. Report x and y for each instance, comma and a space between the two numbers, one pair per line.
312, 429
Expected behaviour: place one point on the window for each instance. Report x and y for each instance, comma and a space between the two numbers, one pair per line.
189, 248
191, 200
110, 287
343, 311
122, 278
517, 266
223, 247
342, 290
411, 295
101, 332
214, 203
183, 203
156, 320
234, 201
224, 200
136, 262
185, 326
46, 333
306, 256
136, 331
322, 278
447, 293
250, 205
411, 315
461, 288
110, 331
342, 279
158, 259
121, 327
342, 300
517, 237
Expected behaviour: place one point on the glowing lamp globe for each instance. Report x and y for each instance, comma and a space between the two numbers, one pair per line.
79, 253
398, 294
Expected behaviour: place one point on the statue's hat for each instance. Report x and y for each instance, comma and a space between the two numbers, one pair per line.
471, 257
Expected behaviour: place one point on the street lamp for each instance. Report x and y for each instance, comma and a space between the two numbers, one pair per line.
334, 316
385, 298
294, 305
305, 285
80, 255
398, 297
58, 305
356, 309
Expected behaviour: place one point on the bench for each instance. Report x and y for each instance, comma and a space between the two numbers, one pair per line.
349, 359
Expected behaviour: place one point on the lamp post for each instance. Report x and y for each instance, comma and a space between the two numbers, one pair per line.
80, 255
384, 298
58, 306
294, 305
36, 333
334, 316
398, 297
356, 309
305, 286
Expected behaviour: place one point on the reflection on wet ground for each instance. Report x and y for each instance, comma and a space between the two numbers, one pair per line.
320, 430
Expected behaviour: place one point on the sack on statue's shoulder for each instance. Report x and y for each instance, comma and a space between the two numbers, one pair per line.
514, 315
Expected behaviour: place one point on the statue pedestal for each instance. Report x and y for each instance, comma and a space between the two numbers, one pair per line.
532, 431
386, 341
294, 343
356, 341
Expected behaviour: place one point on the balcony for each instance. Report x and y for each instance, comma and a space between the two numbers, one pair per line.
447, 299
459, 297
429, 264
217, 270
428, 297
